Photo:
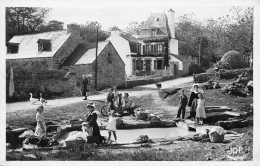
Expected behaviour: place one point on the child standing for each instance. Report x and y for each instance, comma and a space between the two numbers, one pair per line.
182, 105
111, 126
200, 110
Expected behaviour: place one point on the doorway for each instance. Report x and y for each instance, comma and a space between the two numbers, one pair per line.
148, 67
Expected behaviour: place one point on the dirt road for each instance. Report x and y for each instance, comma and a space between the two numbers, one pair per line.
135, 92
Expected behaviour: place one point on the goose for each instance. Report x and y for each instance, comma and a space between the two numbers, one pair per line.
33, 100
42, 100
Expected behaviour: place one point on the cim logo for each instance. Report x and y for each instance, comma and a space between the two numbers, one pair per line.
235, 150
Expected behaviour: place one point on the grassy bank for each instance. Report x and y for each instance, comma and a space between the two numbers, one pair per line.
164, 108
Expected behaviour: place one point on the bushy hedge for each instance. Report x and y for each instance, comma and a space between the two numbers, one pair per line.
195, 68
233, 59
210, 70
230, 74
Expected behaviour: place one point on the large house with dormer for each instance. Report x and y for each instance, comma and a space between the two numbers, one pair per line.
154, 51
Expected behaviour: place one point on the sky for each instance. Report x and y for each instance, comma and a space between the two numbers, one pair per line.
122, 16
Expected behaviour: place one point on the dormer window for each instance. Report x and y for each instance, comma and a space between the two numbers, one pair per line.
13, 48
153, 32
44, 45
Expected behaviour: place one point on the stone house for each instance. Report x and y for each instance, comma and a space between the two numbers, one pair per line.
40, 63
111, 68
156, 50
126, 45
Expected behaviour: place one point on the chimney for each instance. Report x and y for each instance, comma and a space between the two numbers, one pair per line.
115, 32
171, 15
74, 29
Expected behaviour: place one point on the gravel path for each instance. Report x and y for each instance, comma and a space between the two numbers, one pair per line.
135, 91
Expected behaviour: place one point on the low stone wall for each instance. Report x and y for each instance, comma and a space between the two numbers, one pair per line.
49, 82
133, 83
203, 77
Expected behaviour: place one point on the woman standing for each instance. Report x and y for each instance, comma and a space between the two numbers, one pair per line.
193, 100
84, 86
40, 130
200, 110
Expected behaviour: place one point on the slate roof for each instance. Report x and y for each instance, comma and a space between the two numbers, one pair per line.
182, 58
129, 37
155, 21
28, 46
89, 56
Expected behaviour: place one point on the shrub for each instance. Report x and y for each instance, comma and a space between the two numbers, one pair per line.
230, 74
195, 68
223, 65
234, 59
210, 70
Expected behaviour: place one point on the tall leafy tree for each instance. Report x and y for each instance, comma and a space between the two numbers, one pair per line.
53, 25
24, 20
134, 27
89, 31
217, 36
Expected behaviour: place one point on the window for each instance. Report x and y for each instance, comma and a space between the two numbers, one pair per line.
44, 45
153, 32
152, 49
144, 52
139, 64
157, 19
156, 49
13, 48
109, 59
159, 64
134, 66
160, 48
138, 48
148, 49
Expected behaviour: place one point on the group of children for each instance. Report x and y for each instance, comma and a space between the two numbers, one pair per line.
196, 104
117, 104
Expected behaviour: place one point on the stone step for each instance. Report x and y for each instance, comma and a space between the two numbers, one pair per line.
209, 109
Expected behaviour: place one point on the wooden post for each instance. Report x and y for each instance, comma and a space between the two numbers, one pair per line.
96, 61
199, 51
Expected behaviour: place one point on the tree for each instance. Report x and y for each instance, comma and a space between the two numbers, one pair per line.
217, 36
24, 20
237, 30
89, 32
113, 28
53, 25
134, 27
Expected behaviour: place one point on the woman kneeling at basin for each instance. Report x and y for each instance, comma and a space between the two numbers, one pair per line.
91, 119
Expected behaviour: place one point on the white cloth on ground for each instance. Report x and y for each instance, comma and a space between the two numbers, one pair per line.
76, 134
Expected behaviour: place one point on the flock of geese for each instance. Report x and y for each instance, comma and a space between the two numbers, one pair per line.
34, 100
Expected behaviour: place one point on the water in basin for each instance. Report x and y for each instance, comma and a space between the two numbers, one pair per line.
129, 136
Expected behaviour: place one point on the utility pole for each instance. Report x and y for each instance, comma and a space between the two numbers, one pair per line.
199, 50
96, 61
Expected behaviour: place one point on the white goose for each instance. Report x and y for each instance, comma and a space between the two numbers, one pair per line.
33, 100
42, 100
